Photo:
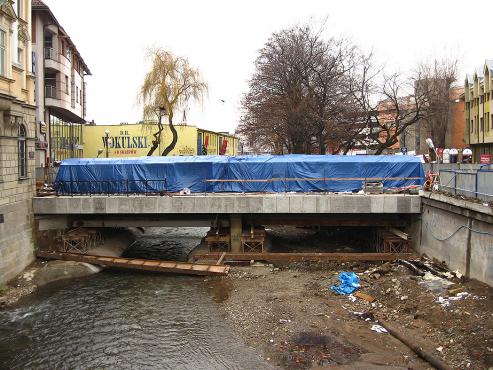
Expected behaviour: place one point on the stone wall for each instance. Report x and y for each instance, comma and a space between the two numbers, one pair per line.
16, 218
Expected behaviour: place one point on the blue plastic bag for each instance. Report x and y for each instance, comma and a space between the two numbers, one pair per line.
349, 283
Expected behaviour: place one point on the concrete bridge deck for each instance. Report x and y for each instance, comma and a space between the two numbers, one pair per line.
229, 203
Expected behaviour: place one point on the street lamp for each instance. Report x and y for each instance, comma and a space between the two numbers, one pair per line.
429, 142
107, 133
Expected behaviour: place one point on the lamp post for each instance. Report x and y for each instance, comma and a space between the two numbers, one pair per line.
107, 133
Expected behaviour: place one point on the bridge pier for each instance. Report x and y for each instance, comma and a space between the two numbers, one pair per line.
236, 229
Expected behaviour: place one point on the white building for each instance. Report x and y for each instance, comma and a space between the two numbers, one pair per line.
60, 89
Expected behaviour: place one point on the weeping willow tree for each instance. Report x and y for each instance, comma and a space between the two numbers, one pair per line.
168, 88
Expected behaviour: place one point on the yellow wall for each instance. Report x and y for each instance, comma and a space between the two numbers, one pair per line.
135, 140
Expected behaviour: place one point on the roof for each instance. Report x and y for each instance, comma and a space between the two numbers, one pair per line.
489, 64
39, 5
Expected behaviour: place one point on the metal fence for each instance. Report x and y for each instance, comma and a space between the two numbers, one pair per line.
46, 174
471, 183
127, 187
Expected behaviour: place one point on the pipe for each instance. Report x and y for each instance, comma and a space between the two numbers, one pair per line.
431, 359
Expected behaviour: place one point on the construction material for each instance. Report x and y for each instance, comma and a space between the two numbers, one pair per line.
218, 240
389, 242
253, 241
266, 173
364, 296
220, 260
139, 264
301, 257
408, 341
410, 265
399, 233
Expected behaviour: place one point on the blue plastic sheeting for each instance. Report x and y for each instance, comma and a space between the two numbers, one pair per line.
349, 283
265, 173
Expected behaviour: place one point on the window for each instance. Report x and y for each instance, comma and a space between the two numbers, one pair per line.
19, 56
66, 85
472, 126
482, 124
3, 54
76, 94
22, 152
19, 8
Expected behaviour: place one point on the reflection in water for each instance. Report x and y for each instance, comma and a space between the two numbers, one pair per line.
118, 319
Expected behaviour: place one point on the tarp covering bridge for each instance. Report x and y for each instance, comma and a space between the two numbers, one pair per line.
263, 173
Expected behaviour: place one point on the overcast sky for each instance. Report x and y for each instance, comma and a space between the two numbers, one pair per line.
222, 39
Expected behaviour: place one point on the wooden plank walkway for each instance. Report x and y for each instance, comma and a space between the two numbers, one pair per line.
300, 257
139, 264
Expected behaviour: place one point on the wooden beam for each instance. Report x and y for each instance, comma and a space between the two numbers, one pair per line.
139, 264
220, 260
398, 232
300, 257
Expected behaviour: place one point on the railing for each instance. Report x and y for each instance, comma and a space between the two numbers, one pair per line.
46, 174
58, 91
476, 184
111, 187
50, 54
51, 91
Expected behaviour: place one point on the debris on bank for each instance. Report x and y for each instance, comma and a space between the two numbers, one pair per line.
418, 298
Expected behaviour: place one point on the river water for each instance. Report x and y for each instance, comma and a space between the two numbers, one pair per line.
123, 320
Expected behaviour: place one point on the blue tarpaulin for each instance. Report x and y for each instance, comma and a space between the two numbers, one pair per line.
264, 173
349, 283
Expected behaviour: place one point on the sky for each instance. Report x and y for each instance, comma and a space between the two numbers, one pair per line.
222, 39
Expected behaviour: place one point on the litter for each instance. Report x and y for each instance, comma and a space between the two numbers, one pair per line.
364, 296
349, 283
379, 329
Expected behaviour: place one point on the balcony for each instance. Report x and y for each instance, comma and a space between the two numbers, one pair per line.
50, 54
55, 62
56, 97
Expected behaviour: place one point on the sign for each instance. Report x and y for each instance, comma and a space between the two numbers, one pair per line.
41, 145
135, 140
485, 158
42, 127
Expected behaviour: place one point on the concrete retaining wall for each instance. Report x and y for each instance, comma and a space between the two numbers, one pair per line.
460, 233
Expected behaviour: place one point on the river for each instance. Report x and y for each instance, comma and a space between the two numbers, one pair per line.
126, 320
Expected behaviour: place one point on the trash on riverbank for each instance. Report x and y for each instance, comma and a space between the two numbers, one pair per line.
349, 283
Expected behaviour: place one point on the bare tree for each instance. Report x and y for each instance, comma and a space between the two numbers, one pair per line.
171, 84
434, 81
298, 90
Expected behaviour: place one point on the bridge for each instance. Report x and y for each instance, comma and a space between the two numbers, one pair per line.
232, 210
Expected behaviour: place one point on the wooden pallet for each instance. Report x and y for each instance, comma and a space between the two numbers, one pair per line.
218, 241
253, 241
392, 241
140, 264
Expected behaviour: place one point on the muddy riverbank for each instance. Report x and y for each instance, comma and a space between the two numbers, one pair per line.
295, 321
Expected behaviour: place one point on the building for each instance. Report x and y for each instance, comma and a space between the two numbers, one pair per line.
478, 113
414, 137
17, 138
61, 89
135, 140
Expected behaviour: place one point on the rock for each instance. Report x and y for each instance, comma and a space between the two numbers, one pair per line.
404, 298
59, 270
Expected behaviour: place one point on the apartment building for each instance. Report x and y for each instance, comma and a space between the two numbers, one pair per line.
478, 112
17, 138
61, 89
